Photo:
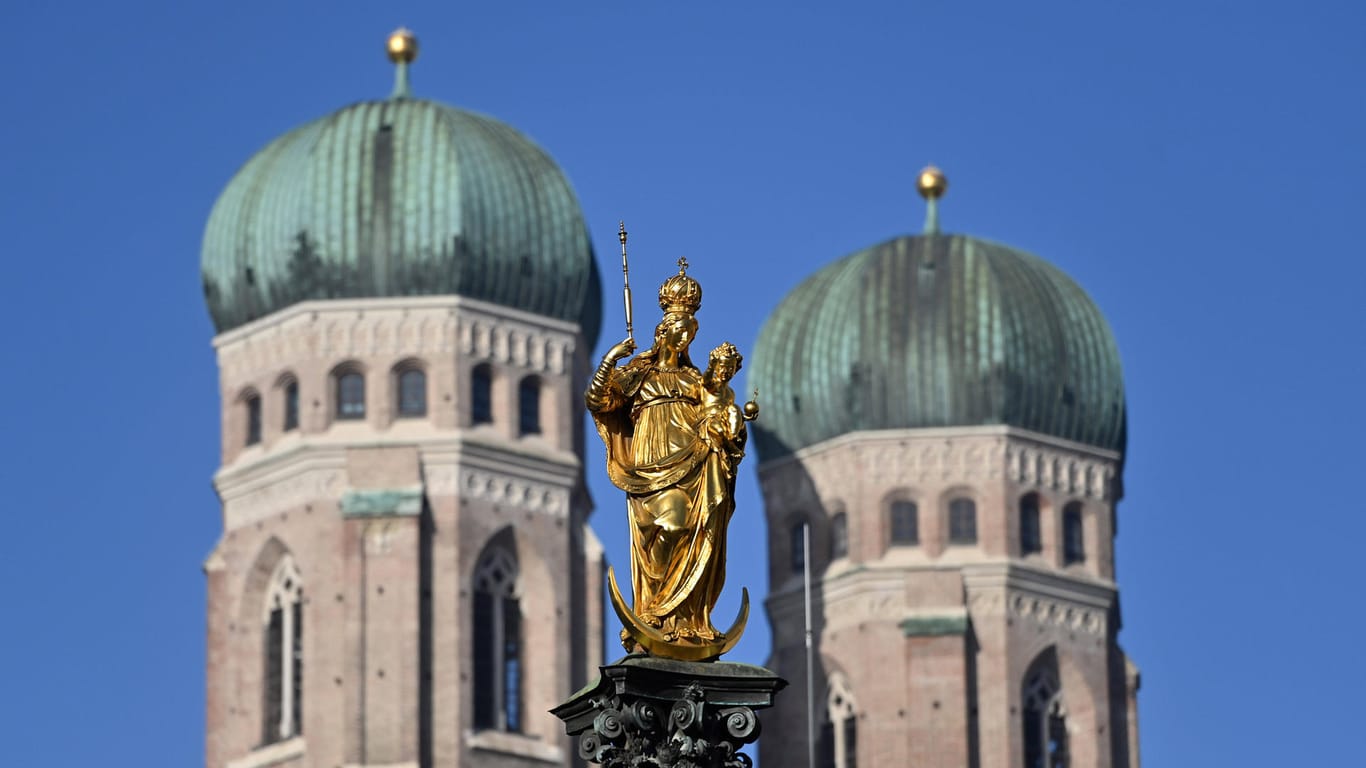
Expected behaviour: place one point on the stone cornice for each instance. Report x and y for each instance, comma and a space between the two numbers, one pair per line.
879, 438
419, 326
1049, 600
411, 303
1020, 577
327, 450
970, 455
537, 479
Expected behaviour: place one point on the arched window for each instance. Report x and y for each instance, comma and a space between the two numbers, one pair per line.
529, 406
1031, 537
905, 523
839, 732
412, 392
282, 690
253, 408
839, 536
481, 395
291, 405
962, 521
796, 546
497, 642
1073, 544
1044, 717
350, 395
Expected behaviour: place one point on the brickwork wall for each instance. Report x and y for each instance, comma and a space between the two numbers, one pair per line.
935, 638
382, 590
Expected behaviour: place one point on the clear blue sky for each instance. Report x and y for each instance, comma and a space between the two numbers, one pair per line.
1198, 167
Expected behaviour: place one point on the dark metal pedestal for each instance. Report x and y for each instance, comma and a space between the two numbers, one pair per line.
647, 712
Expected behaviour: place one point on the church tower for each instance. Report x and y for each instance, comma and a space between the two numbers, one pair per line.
405, 297
947, 414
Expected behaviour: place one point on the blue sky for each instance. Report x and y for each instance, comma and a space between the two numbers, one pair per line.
1198, 167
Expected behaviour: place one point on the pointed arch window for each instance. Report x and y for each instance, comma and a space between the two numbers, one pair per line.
1044, 717
529, 406
497, 643
962, 521
481, 394
838, 746
905, 525
350, 395
1031, 536
253, 407
282, 690
839, 536
1073, 542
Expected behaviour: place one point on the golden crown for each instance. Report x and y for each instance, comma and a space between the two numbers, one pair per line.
680, 293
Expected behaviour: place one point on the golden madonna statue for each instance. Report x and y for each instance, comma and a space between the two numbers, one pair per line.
674, 439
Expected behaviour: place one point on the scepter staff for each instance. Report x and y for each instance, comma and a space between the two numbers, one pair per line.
625, 280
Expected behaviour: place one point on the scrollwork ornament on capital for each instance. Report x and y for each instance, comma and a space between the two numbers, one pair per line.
632, 734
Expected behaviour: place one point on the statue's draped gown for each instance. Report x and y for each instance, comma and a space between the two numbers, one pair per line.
679, 490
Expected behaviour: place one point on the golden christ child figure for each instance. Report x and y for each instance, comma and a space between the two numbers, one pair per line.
674, 440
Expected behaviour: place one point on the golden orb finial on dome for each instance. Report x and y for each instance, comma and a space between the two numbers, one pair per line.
402, 46
931, 183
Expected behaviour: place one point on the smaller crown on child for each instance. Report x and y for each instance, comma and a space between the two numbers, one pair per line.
727, 351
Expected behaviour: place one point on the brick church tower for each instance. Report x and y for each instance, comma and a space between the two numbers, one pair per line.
405, 298
947, 414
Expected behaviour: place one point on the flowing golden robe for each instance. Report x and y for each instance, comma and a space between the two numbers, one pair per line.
679, 489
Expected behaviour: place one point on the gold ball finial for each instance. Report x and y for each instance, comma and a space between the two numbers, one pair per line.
402, 46
931, 183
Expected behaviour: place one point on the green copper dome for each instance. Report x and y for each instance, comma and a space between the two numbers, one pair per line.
936, 331
400, 197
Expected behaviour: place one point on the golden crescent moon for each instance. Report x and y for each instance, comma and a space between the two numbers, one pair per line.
653, 640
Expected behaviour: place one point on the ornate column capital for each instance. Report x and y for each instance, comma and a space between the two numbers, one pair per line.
650, 711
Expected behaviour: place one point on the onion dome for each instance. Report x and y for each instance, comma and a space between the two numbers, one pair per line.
937, 330
400, 197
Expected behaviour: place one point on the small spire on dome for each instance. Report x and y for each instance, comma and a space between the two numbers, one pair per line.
402, 50
931, 183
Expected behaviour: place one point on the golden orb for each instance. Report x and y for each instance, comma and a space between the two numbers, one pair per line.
402, 46
751, 411
931, 183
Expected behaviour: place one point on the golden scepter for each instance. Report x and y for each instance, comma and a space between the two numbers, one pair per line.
625, 280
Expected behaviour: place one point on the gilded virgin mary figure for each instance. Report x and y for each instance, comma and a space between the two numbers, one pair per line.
674, 441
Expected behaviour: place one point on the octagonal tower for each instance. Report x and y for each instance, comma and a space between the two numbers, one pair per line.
948, 416
405, 296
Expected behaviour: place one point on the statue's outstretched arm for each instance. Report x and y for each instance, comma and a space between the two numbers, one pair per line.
600, 395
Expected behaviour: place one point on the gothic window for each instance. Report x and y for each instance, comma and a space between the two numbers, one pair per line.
497, 643
412, 392
1044, 717
1073, 546
291, 405
905, 524
350, 395
1031, 537
253, 407
529, 406
282, 692
839, 536
838, 745
962, 521
796, 546
481, 395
